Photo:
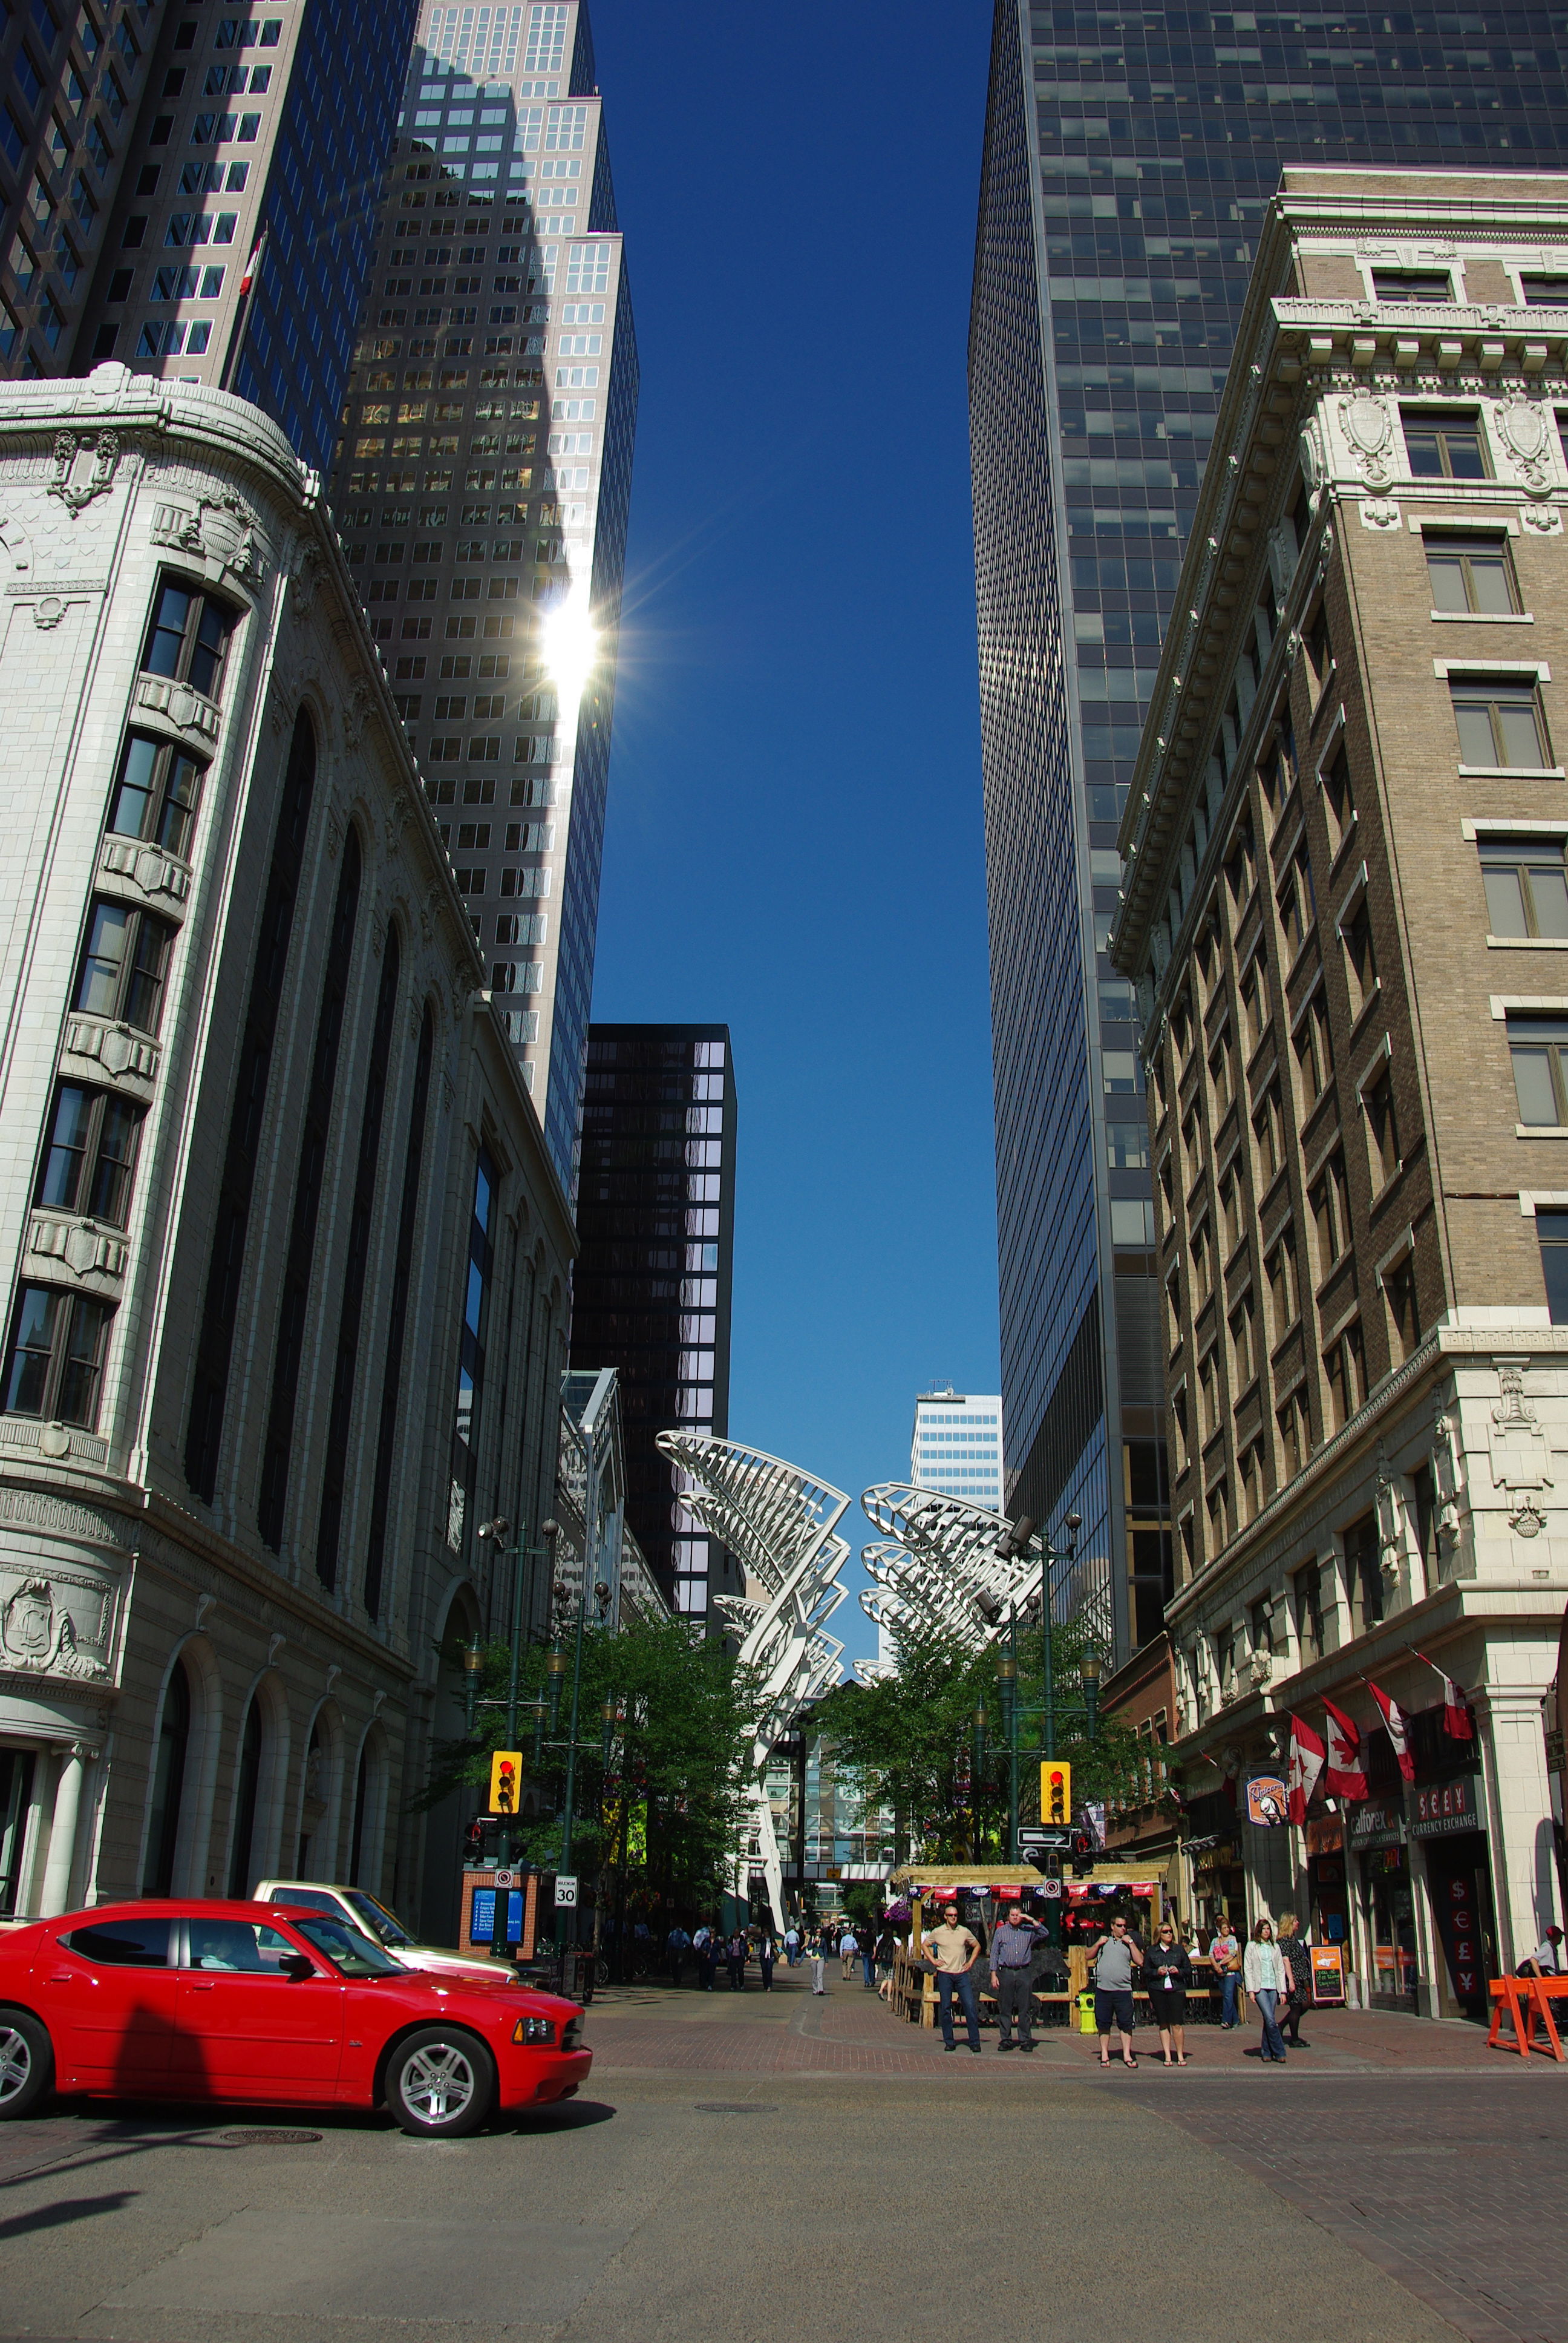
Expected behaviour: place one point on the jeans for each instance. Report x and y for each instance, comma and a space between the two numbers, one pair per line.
869, 1967
1015, 2002
964, 1987
677, 1967
1274, 2040
1227, 2007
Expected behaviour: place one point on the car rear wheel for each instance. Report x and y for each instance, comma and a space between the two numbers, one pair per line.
440, 2083
26, 2063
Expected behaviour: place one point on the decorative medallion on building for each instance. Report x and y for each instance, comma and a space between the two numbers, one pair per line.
1547, 520
1379, 513
1523, 429
83, 470
1369, 428
1520, 1455
224, 529
37, 1636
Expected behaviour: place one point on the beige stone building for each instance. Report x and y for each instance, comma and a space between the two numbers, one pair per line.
286, 1259
1345, 909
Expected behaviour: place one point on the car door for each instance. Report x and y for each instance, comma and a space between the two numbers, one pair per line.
246, 2029
111, 1992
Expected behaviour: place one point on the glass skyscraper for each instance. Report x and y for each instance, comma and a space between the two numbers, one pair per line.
1128, 155
651, 1287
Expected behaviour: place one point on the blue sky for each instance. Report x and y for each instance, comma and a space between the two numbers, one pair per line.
794, 841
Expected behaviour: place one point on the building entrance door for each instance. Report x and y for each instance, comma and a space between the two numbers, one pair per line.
1461, 1888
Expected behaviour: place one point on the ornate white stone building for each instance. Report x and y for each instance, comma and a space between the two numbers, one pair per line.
285, 1259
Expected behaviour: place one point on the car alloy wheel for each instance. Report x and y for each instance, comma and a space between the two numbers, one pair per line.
441, 2084
26, 2063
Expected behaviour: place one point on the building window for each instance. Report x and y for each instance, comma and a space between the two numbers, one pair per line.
247, 1783
1307, 1602
1209, 1394
1472, 575
315, 1137
203, 1431
1345, 1371
397, 1321
1551, 1235
125, 965
1411, 285
1250, 1474
157, 794
1363, 1576
1361, 960
1314, 1050
1330, 1205
1284, 1285
1399, 1289
1382, 1131
91, 1156
1544, 291
56, 1360
1295, 1433
168, 1784
471, 1359
1318, 646
1243, 1358
1298, 906
1339, 804
1538, 1047
1499, 723
1443, 445
188, 639
1267, 1130
1527, 886
353, 1272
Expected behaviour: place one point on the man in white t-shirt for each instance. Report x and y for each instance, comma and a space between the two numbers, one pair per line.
952, 1951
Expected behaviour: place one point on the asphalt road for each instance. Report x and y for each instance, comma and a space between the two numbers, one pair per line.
717, 2199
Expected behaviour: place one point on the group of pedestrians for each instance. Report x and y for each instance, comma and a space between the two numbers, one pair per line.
1273, 1970
707, 1949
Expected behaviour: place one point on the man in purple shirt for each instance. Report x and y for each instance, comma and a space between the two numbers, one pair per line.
1011, 1973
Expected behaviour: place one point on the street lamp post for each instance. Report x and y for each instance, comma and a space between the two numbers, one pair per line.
1019, 1542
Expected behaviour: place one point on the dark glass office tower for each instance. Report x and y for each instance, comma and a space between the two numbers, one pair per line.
1128, 155
651, 1291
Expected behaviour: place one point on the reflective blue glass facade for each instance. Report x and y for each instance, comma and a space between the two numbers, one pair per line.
1128, 155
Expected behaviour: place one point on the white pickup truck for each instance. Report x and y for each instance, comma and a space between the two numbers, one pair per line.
363, 1911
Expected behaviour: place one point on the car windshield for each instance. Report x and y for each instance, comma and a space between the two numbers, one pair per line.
376, 1918
357, 1954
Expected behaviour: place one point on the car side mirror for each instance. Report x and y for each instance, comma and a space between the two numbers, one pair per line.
298, 1965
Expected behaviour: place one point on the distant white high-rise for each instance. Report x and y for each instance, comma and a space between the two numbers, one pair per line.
957, 1446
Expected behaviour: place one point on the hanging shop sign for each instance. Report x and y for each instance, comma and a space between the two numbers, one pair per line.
1328, 1973
1266, 1801
1325, 1835
1441, 1809
1376, 1824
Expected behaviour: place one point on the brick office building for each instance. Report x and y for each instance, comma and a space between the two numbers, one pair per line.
1345, 909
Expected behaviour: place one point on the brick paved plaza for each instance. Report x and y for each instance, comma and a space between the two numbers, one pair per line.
744, 2169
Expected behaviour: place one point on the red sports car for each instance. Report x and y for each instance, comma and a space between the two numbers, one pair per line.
256, 2002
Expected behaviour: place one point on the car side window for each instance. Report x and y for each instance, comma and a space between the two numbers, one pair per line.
307, 1899
244, 1946
123, 1944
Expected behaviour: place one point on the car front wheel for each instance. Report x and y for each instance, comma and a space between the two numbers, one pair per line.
26, 2063
440, 2083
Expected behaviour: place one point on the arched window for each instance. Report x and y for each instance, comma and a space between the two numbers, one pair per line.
294, 1311
209, 1386
397, 1321
246, 1789
354, 1268
168, 1784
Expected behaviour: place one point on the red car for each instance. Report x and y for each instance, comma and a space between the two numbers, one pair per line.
256, 2002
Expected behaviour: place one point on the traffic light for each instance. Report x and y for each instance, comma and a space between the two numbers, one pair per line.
1055, 1792
506, 1772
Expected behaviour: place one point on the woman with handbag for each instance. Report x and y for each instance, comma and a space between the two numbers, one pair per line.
1166, 1974
1298, 1963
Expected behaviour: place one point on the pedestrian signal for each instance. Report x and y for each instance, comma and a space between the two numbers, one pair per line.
1055, 1792
506, 1772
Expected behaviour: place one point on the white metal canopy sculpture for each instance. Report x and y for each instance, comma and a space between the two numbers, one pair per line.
940, 1559
781, 1525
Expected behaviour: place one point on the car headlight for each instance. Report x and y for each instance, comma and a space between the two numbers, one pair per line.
533, 2029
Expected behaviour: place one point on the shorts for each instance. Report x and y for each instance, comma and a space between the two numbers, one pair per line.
1114, 2009
1168, 2008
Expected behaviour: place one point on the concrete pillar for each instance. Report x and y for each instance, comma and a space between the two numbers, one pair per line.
1519, 1818
56, 1895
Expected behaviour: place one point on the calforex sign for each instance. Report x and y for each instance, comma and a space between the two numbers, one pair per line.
1439, 1809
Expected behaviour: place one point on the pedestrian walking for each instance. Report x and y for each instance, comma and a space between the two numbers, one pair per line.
1298, 1963
707, 1953
886, 1944
676, 1946
1265, 1976
1168, 1974
792, 1944
848, 1950
953, 1951
822, 1946
1114, 1957
766, 1954
866, 1946
1012, 1977
1225, 1954
735, 1954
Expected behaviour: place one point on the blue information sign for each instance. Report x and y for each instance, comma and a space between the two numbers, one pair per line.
482, 1920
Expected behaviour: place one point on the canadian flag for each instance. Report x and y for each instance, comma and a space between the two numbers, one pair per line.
1345, 1778
1393, 1717
1306, 1764
1456, 1707
245, 281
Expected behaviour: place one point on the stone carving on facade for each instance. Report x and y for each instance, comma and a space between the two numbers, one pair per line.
49, 613
83, 470
305, 582
356, 712
1389, 1526
1379, 513
1312, 465
1521, 427
1447, 1477
222, 529
118, 1049
1520, 1455
147, 869
180, 704
1547, 520
84, 1249
1369, 428
37, 1636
